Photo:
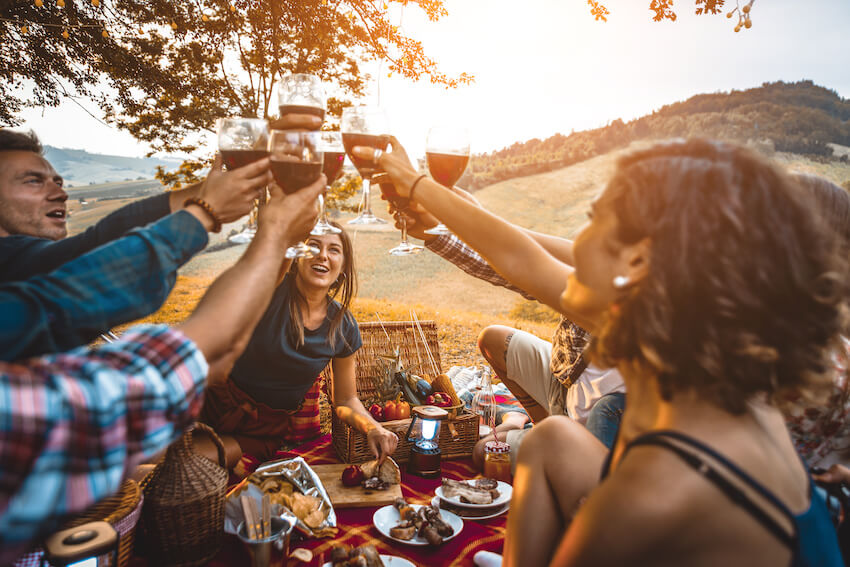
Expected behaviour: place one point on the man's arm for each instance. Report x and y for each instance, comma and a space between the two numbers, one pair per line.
122, 281
230, 194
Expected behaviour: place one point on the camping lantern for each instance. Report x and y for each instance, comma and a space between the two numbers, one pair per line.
424, 437
94, 544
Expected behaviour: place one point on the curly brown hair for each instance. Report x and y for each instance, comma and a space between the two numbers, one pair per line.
745, 291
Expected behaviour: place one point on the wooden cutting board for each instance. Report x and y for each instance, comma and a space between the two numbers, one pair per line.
352, 496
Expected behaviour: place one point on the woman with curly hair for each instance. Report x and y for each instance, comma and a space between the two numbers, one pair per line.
707, 280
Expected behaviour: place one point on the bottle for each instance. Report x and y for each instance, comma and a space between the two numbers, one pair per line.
484, 404
497, 461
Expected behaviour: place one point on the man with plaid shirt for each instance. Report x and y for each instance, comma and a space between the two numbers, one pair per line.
72, 425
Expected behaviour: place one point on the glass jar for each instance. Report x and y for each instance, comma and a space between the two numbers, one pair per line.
497, 461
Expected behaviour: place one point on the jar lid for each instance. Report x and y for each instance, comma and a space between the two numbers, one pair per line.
496, 447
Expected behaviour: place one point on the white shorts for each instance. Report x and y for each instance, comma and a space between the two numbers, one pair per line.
527, 361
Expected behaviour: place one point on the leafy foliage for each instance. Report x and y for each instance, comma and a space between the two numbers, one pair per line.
663, 10
173, 67
791, 117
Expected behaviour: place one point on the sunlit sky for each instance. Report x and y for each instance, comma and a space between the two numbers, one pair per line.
545, 66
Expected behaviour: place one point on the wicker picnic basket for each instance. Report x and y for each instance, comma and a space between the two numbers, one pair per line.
183, 516
457, 437
122, 510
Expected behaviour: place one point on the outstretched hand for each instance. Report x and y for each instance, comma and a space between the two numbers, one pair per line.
382, 443
290, 217
296, 122
394, 162
231, 194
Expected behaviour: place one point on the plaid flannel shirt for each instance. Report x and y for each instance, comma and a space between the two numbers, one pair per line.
567, 362
124, 280
72, 425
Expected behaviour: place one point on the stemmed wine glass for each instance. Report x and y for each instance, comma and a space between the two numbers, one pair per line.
301, 94
242, 141
296, 162
404, 248
447, 153
364, 126
334, 156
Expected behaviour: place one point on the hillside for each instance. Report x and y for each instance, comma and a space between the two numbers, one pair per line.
79, 167
801, 118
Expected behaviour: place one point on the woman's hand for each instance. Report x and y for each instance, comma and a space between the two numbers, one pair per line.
382, 442
395, 162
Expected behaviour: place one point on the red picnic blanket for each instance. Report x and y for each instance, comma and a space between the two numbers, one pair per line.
356, 528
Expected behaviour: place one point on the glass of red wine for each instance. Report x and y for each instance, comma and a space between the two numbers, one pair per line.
334, 156
242, 141
447, 154
301, 94
296, 162
364, 126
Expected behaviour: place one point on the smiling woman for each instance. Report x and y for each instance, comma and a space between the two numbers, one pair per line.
271, 395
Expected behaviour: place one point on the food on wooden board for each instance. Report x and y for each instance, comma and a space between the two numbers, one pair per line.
371, 476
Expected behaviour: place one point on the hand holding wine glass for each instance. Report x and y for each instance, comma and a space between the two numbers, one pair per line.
296, 162
364, 126
231, 194
242, 141
334, 156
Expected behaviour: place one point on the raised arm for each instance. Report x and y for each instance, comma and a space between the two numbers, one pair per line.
513, 253
227, 314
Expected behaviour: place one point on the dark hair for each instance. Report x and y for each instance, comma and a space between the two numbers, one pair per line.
13, 140
744, 289
345, 287
832, 202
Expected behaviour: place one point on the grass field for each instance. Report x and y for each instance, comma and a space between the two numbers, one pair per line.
555, 202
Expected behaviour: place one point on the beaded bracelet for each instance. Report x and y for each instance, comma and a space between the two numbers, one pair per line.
415, 183
207, 208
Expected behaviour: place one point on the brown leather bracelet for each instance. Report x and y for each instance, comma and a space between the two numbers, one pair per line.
415, 183
207, 208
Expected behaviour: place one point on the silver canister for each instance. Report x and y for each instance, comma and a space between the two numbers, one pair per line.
271, 551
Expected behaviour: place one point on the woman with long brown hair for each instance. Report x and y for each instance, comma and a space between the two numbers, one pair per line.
272, 393
706, 278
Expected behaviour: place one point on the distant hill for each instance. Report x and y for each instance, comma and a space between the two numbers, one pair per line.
80, 167
800, 118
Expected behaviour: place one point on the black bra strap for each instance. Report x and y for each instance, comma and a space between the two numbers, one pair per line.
661, 439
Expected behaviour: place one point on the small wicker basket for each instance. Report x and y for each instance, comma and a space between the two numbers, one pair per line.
183, 516
457, 436
122, 510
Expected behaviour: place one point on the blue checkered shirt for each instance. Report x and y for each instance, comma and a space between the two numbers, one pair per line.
122, 281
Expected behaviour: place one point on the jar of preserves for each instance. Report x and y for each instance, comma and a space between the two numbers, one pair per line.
497, 461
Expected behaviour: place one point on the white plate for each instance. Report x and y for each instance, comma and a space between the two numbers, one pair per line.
496, 513
389, 561
387, 518
505, 492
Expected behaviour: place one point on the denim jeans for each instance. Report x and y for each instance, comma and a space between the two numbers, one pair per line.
604, 418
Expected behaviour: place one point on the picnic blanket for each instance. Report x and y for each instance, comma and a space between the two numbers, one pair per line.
356, 528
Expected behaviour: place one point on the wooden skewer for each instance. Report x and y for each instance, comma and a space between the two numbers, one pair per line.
258, 520
247, 512
267, 513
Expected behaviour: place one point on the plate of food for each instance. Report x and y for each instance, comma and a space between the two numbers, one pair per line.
343, 556
477, 493
470, 513
417, 524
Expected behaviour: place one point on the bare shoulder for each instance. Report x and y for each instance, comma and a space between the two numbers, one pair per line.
639, 512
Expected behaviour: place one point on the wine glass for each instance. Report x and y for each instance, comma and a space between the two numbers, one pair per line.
404, 248
334, 156
296, 162
242, 141
364, 126
301, 94
447, 153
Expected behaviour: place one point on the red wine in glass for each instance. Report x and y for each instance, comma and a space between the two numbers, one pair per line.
234, 159
446, 169
333, 165
366, 167
294, 175
302, 109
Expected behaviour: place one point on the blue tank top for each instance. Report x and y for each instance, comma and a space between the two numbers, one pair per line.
813, 542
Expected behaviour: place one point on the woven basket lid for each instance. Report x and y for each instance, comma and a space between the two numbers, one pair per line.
184, 475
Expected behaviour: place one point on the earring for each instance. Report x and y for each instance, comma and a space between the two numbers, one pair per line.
621, 282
